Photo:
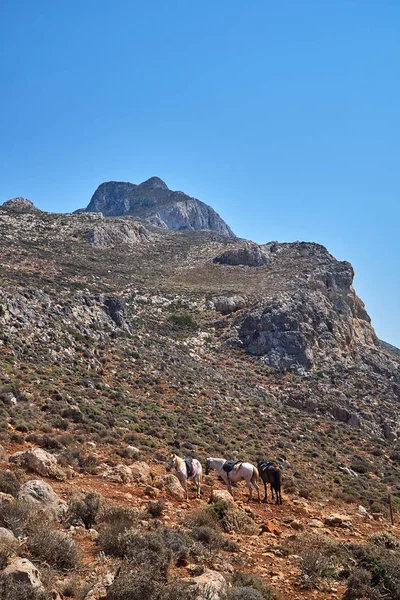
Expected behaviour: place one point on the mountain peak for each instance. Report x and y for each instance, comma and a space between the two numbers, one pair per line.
21, 205
155, 203
154, 183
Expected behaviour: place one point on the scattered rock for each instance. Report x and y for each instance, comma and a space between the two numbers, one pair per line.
337, 520
39, 461
270, 527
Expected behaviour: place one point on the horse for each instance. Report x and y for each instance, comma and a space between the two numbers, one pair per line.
242, 470
271, 474
182, 468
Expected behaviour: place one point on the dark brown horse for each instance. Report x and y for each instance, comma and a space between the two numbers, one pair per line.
271, 474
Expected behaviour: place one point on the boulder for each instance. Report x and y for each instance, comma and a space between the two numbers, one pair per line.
173, 487
211, 585
39, 461
141, 472
220, 495
23, 571
337, 520
249, 256
42, 494
226, 304
132, 452
7, 538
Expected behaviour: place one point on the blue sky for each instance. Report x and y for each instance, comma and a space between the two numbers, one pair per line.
284, 116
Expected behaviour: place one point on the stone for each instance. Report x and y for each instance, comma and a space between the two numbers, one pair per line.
297, 525
42, 494
338, 520
39, 461
23, 571
3, 454
100, 588
6, 498
132, 452
211, 585
220, 495
141, 472
7, 537
173, 487
270, 527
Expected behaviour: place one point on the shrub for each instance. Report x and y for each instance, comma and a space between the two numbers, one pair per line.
149, 549
14, 590
114, 522
242, 581
209, 537
358, 585
231, 518
385, 539
56, 548
9, 484
133, 585
84, 507
156, 509
202, 518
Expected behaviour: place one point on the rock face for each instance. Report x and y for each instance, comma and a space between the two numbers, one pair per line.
322, 318
20, 205
156, 204
250, 255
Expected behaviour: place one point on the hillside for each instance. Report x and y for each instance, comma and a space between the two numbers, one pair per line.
114, 332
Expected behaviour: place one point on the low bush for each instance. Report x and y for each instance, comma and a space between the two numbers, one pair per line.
133, 585
56, 548
231, 518
114, 521
14, 590
9, 483
255, 586
156, 509
84, 507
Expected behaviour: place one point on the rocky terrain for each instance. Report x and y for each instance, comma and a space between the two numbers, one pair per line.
122, 341
153, 202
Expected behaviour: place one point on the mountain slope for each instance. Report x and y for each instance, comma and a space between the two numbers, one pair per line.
152, 201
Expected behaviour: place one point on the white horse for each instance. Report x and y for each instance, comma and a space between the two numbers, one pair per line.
181, 470
243, 470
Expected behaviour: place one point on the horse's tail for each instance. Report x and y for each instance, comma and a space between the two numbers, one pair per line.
255, 475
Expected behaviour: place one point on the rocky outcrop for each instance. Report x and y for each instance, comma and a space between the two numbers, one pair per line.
250, 255
109, 234
156, 204
322, 319
39, 461
42, 494
20, 205
173, 487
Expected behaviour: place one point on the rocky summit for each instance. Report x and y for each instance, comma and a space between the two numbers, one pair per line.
122, 342
156, 204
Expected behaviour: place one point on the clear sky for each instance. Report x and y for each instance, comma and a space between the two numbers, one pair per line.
284, 116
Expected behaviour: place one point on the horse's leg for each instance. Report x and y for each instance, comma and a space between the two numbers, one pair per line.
272, 490
227, 480
250, 486
197, 480
265, 491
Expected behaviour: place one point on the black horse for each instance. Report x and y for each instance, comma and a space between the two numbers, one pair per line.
271, 474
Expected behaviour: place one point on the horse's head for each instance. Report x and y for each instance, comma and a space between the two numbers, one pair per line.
171, 462
208, 466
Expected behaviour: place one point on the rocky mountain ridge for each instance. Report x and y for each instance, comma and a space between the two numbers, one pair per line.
156, 204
